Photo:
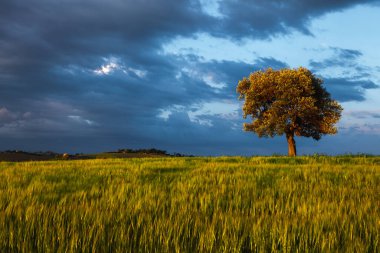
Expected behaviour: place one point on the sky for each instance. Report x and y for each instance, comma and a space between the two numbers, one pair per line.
90, 76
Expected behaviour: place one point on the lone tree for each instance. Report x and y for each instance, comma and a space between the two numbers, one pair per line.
288, 101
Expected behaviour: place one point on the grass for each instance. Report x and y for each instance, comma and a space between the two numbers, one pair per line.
226, 204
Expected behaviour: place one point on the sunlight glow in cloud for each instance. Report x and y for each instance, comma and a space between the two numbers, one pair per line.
114, 64
106, 69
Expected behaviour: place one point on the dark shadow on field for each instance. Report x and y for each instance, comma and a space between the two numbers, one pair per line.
286, 160
167, 175
169, 170
267, 180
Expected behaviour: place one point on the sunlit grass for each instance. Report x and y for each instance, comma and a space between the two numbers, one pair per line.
227, 204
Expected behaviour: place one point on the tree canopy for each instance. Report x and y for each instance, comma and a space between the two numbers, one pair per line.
288, 101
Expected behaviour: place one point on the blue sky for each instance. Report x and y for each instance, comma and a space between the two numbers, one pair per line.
95, 75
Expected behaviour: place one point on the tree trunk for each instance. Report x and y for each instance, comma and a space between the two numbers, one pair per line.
291, 144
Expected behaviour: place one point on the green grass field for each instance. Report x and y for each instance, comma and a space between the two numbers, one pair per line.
230, 204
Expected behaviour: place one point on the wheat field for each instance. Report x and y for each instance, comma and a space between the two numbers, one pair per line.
223, 204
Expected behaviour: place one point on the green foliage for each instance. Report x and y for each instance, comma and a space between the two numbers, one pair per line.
228, 204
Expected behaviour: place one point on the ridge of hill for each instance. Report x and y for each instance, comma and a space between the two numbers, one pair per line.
19, 156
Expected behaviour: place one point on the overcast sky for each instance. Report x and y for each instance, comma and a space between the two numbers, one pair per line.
95, 75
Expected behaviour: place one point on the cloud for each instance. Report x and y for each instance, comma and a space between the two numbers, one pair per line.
364, 114
106, 69
344, 75
266, 19
114, 64
340, 58
90, 75
264, 63
224, 75
366, 128
81, 120
348, 90
347, 54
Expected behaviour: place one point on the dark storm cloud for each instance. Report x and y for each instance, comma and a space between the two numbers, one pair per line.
38, 37
39, 34
265, 19
49, 51
90, 75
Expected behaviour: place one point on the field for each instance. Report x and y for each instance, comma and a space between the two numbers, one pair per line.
226, 204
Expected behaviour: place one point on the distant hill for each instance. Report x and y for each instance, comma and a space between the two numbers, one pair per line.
19, 156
